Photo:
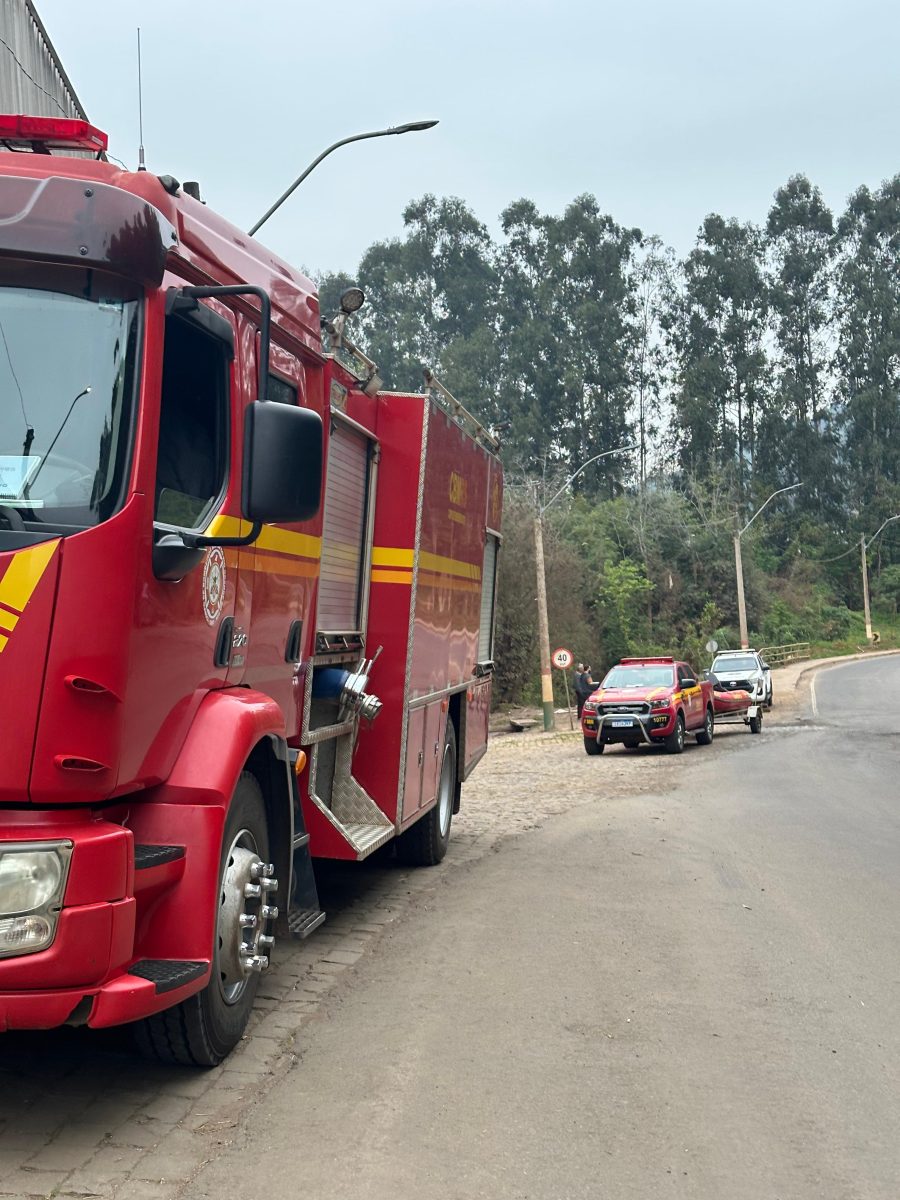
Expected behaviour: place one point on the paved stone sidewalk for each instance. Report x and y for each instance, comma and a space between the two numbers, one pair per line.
82, 1115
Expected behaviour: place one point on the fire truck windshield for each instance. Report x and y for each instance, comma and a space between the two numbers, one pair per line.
68, 349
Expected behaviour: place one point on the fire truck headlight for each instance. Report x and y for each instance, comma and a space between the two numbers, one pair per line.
32, 882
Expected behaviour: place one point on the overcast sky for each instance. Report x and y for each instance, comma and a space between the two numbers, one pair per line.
664, 111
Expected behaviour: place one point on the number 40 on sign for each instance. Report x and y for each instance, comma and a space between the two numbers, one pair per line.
562, 658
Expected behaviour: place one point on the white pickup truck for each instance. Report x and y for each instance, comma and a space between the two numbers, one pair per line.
745, 670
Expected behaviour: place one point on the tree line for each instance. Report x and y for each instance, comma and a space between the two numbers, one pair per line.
768, 355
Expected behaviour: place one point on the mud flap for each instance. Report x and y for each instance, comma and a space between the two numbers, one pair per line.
304, 914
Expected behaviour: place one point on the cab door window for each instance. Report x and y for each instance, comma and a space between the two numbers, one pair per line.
192, 460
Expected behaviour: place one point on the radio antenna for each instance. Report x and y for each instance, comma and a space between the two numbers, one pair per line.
141, 164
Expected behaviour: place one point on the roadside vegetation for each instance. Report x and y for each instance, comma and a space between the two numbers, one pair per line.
768, 356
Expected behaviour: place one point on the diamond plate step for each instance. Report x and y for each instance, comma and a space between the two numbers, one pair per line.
167, 973
303, 921
146, 856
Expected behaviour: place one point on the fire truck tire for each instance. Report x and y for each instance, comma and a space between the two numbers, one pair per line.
425, 844
592, 746
674, 743
202, 1030
705, 736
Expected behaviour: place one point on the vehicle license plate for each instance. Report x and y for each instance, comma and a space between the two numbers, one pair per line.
626, 724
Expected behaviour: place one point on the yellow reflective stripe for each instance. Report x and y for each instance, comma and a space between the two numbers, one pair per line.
267, 565
449, 566
391, 556
225, 526
285, 541
439, 579
24, 573
7, 620
392, 576
288, 542
3, 641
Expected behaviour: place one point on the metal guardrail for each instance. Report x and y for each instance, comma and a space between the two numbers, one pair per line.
779, 656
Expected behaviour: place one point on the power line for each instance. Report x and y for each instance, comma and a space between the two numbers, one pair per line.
21, 67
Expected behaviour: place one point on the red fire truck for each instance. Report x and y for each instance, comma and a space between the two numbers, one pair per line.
246, 601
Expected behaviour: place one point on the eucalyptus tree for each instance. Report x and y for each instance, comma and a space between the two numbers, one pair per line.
799, 433
718, 333
428, 292
868, 353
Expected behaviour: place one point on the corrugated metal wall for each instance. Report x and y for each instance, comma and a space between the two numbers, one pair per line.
32, 79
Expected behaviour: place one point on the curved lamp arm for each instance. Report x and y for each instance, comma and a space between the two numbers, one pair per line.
410, 127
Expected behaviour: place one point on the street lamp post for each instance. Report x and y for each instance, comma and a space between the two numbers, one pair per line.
739, 567
863, 548
410, 127
543, 623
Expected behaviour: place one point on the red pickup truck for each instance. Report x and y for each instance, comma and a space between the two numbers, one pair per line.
648, 701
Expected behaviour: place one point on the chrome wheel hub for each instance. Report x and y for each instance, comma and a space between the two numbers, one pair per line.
243, 930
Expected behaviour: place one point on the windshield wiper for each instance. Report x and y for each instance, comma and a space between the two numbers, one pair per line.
30, 484
12, 517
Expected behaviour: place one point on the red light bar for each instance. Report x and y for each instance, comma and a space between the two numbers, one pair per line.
636, 662
56, 133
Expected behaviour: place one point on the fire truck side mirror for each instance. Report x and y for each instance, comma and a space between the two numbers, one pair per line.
282, 463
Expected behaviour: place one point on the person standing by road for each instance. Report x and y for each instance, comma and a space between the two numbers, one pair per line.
584, 685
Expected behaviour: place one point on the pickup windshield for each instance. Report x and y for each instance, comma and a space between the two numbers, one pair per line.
640, 677
737, 662
68, 350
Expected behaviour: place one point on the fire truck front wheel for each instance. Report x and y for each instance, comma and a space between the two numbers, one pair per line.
202, 1030
425, 844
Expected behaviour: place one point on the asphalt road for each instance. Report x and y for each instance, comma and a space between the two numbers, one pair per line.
688, 994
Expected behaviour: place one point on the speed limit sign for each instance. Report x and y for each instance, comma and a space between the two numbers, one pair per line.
562, 658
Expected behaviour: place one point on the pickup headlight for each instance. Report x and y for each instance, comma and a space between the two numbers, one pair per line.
32, 883
661, 703
589, 706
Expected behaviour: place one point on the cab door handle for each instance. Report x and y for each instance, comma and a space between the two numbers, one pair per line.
222, 653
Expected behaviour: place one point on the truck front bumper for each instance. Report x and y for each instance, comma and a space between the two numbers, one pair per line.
83, 975
613, 727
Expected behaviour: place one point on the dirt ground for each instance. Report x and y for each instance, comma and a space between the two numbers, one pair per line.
81, 1115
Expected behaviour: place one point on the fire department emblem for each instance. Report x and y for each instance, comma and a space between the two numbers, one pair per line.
213, 585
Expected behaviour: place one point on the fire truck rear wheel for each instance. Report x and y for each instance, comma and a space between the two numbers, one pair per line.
202, 1030
426, 843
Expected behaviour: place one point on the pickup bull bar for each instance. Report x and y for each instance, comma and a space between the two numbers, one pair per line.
635, 717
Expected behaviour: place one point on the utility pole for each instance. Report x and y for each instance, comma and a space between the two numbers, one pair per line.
742, 607
865, 575
543, 626
863, 547
738, 565
543, 623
